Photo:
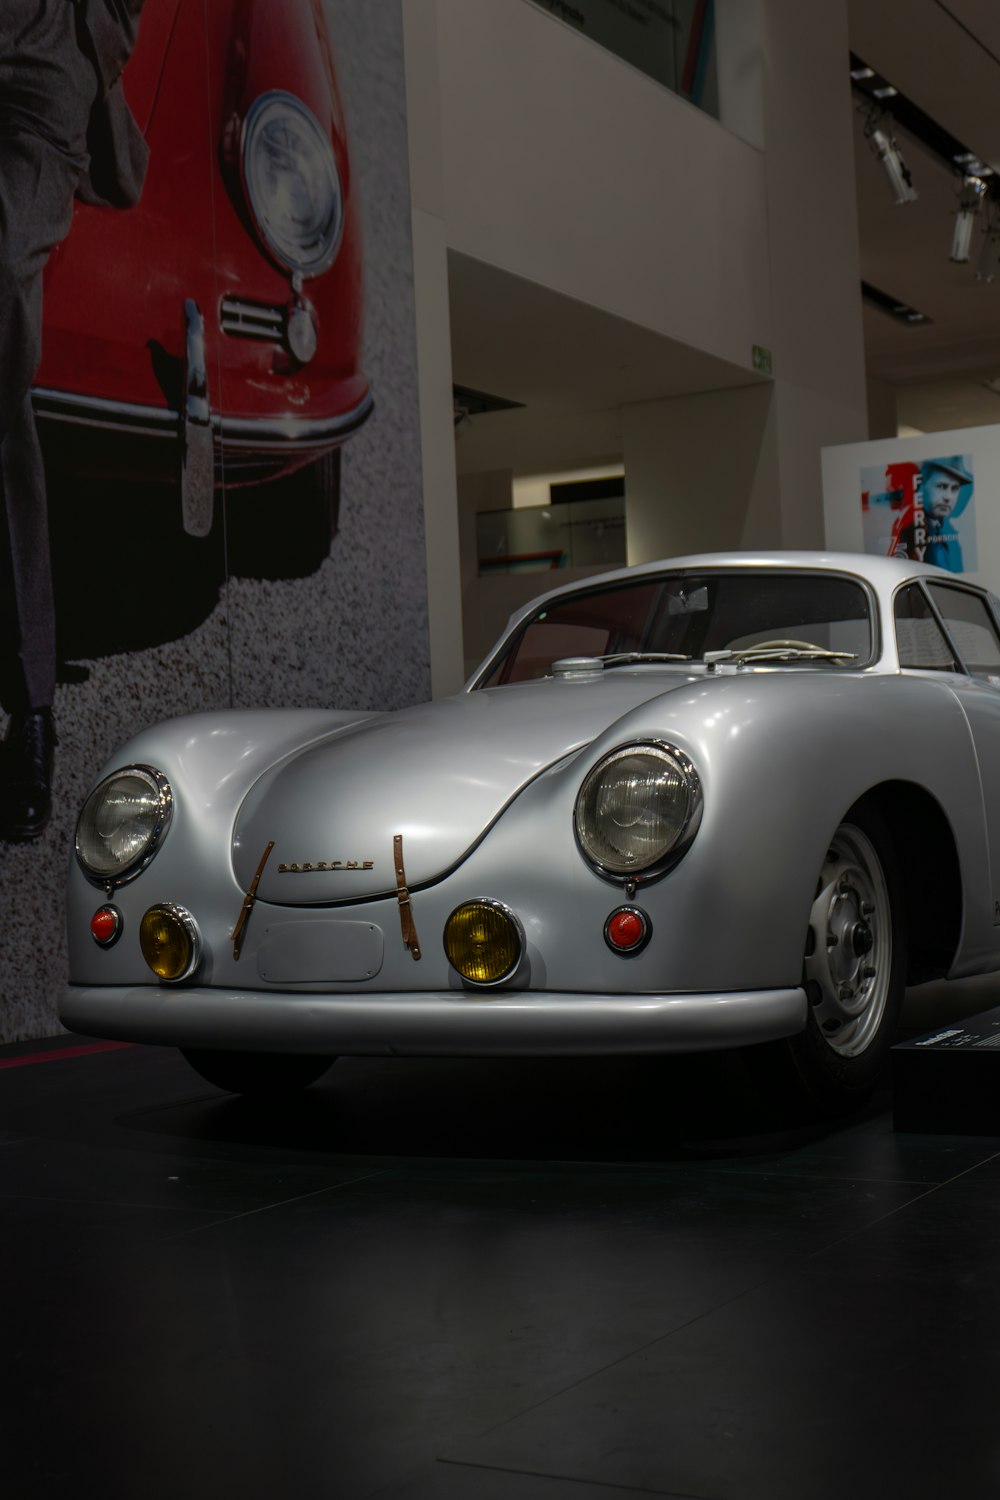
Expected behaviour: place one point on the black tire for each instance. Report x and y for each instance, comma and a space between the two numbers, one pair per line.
854, 974
257, 1073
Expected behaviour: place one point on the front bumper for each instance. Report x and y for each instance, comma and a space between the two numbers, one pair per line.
434, 1024
254, 448
278, 436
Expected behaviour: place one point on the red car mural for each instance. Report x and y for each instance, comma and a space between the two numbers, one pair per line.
212, 334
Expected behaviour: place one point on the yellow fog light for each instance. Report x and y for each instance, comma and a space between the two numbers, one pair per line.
170, 942
484, 941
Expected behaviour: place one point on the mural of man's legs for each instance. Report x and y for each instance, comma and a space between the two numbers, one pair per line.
47, 90
30, 739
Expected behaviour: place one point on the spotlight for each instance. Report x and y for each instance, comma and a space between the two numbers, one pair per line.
969, 203
971, 165
889, 154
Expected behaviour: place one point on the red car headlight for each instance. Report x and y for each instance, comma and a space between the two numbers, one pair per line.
291, 182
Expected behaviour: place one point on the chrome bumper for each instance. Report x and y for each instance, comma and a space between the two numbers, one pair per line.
278, 435
201, 430
433, 1024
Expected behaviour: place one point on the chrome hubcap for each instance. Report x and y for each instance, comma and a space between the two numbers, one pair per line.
849, 954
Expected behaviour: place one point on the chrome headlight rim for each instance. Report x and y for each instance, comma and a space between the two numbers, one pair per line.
183, 917
689, 825
278, 249
110, 881
516, 923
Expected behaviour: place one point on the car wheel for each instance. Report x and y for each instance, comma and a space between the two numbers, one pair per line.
854, 972
257, 1073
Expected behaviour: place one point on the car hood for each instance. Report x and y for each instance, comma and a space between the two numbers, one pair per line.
141, 79
438, 774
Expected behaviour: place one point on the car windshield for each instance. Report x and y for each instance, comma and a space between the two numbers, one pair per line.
790, 617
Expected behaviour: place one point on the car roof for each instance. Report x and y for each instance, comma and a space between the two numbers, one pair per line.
884, 574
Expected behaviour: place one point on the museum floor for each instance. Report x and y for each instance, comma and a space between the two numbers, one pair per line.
486, 1281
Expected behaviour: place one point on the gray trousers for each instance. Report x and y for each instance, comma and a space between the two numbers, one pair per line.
48, 86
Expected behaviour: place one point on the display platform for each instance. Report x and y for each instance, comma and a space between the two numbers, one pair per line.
948, 1082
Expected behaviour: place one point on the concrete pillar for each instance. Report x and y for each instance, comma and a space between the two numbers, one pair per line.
430, 278
883, 409
819, 373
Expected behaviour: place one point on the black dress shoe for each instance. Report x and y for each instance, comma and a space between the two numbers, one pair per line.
26, 797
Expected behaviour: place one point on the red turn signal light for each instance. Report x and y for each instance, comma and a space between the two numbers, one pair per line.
106, 926
627, 930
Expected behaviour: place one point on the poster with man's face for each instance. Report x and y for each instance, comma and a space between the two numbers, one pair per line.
921, 510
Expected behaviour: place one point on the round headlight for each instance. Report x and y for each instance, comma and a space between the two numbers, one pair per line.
291, 182
484, 941
170, 942
638, 807
122, 823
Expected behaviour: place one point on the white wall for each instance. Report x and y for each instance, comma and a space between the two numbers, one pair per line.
566, 166
545, 158
701, 473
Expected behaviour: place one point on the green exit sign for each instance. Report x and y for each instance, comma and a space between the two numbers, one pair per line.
762, 358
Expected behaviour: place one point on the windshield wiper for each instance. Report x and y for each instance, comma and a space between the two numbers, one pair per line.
624, 658
777, 653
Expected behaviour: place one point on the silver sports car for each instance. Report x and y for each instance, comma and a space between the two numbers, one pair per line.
722, 801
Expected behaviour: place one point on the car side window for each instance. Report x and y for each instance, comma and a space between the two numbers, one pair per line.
919, 639
970, 626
